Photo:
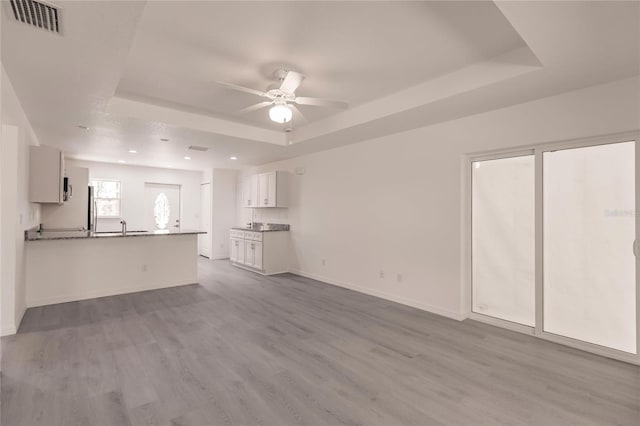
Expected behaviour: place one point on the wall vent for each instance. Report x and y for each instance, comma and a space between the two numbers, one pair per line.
38, 14
198, 148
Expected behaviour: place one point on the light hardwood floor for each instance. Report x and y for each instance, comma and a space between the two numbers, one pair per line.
242, 349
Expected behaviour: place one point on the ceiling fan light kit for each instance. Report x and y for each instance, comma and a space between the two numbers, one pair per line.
280, 113
283, 97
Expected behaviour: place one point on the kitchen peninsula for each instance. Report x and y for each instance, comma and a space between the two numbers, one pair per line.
77, 265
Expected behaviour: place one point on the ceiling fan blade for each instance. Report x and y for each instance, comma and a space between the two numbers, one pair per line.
298, 116
242, 89
291, 82
301, 100
255, 107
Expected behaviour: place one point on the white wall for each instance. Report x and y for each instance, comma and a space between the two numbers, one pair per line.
133, 179
17, 212
395, 203
223, 211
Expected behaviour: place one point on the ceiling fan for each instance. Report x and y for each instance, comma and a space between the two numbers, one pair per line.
283, 98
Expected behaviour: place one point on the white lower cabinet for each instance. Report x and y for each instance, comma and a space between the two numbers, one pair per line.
253, 254
237, 253
263, 252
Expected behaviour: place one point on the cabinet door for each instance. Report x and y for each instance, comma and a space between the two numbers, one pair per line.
233, 252
250, 192
257, 255
263, 189
267, 189
254, 254
251, 254
254, 191
241, 251
246, 192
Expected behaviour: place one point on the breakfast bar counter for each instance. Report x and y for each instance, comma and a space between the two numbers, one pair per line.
69, 266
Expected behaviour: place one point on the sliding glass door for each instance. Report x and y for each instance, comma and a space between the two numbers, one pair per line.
503, 239
552, 243
589, 276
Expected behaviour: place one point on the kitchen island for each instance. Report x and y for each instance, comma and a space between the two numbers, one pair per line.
77, 265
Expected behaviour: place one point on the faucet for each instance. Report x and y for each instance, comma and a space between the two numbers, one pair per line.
124, 227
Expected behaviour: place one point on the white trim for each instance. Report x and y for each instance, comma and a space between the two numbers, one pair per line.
103, 293
8, 331
458, 316
257, 271
509, 325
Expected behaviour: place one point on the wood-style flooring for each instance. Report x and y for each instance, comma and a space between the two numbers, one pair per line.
242, 349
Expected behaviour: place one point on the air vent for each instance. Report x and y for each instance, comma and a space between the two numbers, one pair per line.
37, 14
198, 148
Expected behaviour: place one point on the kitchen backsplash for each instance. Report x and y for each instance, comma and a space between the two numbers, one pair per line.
270, 215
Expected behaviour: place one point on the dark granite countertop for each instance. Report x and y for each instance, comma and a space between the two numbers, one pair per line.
83, 235
264, 227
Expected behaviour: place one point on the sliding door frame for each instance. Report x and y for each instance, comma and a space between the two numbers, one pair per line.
467, 276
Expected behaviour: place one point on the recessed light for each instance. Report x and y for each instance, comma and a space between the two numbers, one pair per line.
121, 161
133, 151
82, 127
187, 158
164, 139
233, 158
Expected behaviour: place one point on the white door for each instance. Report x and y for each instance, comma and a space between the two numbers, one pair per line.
162, 207
246, 193
249, 253
234, 249
267, 189
204, 240
241, 251
253, 254
589, 229
250, 191
503, 238
257, 255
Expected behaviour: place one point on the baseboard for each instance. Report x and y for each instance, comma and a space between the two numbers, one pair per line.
13, 328
459, 316
104, 293
257, 271
8, 331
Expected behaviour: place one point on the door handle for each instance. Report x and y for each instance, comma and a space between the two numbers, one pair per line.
635, 248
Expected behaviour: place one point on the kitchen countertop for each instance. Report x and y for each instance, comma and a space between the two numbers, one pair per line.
34, 235
259, 227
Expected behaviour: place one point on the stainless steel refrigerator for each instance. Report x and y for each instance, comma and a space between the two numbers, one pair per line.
92, 211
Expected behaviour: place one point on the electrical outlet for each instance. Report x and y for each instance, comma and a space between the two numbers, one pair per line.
324, 262
381, 274
399, 278
144, 267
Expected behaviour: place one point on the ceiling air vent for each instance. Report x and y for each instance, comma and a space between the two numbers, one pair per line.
37, 14
198, 148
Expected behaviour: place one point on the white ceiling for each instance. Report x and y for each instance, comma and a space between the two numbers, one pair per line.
355, 51
135, 72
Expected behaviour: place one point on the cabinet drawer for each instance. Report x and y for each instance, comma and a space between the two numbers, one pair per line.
253, 236
234, 233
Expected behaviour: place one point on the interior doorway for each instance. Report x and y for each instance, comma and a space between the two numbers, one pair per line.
204, 240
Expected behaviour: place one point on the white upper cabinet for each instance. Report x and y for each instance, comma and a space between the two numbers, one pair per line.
46, 175
266, 190
250, 191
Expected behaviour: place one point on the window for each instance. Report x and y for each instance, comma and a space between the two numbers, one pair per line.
107, 197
